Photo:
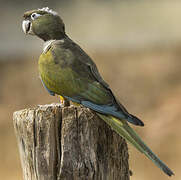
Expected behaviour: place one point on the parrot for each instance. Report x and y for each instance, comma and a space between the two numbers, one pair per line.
67, 71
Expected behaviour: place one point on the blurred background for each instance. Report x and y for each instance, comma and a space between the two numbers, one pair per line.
137, 48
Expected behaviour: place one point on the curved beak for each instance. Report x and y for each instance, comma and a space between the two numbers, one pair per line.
26, 25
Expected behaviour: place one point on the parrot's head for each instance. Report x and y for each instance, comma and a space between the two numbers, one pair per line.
44, 23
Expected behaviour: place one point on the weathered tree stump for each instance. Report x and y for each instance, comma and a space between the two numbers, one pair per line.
69, 143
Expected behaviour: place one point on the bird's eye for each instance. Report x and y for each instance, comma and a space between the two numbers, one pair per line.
34, 16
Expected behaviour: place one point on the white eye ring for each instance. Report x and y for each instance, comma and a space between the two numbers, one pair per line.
34, 16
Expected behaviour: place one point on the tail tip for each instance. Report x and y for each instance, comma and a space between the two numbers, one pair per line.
169, 172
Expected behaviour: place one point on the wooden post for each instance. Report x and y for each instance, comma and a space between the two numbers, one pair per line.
69, 143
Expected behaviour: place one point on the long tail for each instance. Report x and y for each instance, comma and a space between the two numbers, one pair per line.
124, 130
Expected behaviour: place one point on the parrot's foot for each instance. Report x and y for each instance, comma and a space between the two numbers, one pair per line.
64, 102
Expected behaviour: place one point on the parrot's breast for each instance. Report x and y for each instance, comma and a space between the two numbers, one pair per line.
59, 79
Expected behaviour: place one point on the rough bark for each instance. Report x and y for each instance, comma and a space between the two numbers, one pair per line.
69, 143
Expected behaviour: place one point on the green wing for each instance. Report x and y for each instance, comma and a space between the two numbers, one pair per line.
67, 70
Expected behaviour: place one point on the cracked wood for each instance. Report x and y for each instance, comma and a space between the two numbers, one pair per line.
69, 143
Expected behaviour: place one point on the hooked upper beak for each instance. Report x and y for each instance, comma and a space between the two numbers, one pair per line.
26, 25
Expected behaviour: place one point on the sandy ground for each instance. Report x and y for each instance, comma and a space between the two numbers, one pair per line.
147, 82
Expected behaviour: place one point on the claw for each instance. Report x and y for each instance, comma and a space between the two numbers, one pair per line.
64, 102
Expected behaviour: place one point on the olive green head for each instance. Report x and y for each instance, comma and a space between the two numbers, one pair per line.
43, 23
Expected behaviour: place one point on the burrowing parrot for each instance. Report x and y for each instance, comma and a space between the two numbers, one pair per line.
66, 70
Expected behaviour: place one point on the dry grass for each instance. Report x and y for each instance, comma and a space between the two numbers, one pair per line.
147, 83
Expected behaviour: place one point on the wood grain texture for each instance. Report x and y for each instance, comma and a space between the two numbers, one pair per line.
69, 143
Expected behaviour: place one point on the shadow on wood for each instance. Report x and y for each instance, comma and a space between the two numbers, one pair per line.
69, 143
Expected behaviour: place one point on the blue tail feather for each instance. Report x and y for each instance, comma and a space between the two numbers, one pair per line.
112, 110
109, 110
